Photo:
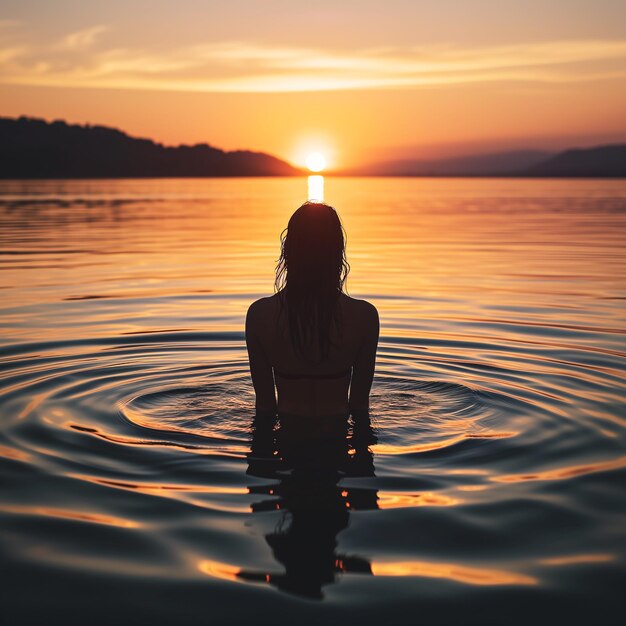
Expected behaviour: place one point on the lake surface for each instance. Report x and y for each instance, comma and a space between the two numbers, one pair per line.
490, 488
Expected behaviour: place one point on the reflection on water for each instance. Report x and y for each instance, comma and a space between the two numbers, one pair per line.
316, 188
131, 477
315, 507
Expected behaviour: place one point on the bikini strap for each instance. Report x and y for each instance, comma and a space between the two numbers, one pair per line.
287, 376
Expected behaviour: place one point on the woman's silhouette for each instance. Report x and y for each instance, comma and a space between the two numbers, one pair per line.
317, 347
310, 342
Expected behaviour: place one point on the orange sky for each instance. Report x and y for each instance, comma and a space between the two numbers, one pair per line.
359, 81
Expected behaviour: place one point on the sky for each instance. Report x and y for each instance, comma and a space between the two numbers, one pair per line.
360, 82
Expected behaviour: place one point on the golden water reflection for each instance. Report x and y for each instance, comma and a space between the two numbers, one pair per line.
452, 571
562, 473
316, 188
80, 516
449, 571
578, 559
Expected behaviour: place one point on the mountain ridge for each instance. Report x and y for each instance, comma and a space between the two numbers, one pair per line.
35, 148
607, 161
481, 164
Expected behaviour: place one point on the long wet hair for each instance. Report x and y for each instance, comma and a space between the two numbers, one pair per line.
311, 275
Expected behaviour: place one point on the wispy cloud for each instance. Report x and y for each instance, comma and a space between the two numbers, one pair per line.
80, 60
82, 38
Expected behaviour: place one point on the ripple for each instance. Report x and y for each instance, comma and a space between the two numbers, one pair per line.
210, 410
415, 416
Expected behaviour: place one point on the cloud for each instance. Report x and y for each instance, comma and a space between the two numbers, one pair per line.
9, 54
82, 38
247, 67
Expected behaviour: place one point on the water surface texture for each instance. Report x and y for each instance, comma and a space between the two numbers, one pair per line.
489, 489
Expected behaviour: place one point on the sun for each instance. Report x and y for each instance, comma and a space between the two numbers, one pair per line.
316, 161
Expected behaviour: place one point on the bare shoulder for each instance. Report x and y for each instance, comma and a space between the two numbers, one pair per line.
361, 310
262, 308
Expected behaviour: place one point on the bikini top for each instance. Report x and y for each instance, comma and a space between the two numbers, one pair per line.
287, 376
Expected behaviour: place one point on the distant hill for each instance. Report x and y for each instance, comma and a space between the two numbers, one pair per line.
598, 162
34, 148
603, 161
499, 163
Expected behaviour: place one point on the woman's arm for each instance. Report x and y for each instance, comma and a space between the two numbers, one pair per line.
260, 367
363, 370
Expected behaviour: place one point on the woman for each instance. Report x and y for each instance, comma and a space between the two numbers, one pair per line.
311, 340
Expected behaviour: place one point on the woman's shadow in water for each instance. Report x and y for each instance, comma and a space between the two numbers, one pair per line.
315, 507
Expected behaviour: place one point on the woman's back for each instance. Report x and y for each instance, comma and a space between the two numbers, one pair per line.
311, 341
307, 383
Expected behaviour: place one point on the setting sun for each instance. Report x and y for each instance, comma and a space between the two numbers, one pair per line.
316, 161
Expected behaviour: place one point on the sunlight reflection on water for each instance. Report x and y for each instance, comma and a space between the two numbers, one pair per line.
316, 188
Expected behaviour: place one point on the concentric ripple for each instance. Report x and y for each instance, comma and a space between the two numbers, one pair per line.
209, 409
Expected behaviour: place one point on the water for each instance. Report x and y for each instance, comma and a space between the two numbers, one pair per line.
490, 489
